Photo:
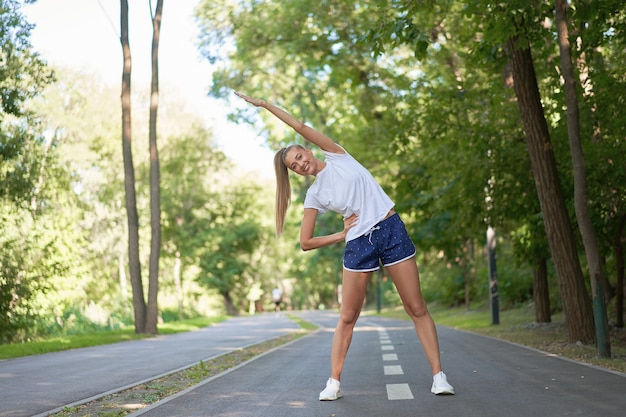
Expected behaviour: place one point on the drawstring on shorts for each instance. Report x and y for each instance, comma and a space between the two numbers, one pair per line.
370, 232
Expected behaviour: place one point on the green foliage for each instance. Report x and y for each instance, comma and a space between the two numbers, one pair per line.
212, 220
63, 230
22, 73
420, 92
231, 236
23, 76
16, 310
36, 246
37, 259
192, 173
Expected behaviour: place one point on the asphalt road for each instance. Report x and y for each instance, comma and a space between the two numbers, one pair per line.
386, 374
37, 384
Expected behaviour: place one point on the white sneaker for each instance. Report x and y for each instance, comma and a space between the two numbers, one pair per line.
332, 391
441, 386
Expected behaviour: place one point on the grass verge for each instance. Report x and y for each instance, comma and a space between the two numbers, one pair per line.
66, 342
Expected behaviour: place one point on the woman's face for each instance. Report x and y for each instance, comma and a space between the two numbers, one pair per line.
301, 161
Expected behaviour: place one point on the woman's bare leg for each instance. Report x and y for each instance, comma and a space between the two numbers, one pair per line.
352, 295
405, 276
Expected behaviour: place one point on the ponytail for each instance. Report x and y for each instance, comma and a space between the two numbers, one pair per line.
283, 190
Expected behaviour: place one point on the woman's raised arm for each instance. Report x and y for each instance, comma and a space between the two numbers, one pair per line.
308, 133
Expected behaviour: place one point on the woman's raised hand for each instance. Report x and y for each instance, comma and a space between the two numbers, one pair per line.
311, 135
254, 101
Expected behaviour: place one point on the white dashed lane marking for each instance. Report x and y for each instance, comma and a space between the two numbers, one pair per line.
393, 370
399, 391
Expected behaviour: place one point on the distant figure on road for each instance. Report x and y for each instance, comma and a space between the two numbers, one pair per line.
277, 297
373, 233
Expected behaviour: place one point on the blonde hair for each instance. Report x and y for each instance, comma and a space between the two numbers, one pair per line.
283, 187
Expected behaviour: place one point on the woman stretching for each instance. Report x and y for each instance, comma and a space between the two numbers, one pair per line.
373, 233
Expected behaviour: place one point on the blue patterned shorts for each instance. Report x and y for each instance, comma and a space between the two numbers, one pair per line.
388, 242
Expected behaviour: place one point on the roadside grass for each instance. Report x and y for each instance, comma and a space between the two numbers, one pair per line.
518, 326
304, 325
66, 342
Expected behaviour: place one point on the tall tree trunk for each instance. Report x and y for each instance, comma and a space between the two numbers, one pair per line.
139, 304
155, 190
576, 300
586, 85
231, 310
590, 241
541, 293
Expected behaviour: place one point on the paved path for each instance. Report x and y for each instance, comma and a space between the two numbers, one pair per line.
385, 375
36, 384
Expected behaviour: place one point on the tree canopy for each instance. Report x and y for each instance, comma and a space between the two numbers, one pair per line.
422, 93
426, 94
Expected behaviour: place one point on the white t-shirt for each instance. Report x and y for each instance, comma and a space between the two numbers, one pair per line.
346, 187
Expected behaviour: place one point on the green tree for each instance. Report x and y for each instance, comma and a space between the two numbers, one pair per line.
152, 309
23, 75
37, 253
139, 303
231, 233
192, 166
576, 302
29, 180
590, 241
432, 83
146, 314
600, 40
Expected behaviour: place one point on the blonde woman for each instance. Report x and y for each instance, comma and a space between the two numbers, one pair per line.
373, 233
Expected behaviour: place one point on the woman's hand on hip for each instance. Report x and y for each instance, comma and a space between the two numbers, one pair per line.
350, 222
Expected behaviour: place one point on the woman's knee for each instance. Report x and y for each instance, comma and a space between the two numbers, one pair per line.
416, 310
349, 316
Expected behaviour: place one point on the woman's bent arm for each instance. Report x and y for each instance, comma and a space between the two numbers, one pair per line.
307, 229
